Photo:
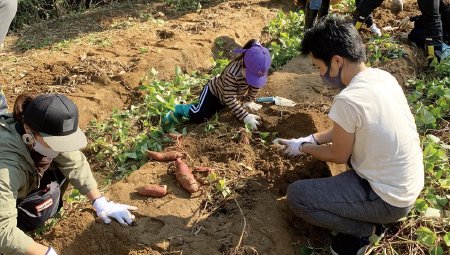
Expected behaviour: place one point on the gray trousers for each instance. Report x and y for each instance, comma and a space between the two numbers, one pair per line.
8, 10
344, 203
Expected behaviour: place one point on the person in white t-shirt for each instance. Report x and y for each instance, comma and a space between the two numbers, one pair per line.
374, 130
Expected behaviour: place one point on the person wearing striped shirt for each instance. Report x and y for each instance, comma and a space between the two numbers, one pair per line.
241, 79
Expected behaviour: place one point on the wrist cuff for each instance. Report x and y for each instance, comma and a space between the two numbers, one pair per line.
100, 203
312, 135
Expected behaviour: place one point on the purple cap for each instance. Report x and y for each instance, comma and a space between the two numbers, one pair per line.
257, 62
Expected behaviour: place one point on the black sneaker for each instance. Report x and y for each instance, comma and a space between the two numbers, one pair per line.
348, 245
351, 245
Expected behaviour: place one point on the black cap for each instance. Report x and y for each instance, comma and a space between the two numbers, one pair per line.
55, 117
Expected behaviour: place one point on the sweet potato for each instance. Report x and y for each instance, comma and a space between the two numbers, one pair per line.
152, 190
165, 156
185, 176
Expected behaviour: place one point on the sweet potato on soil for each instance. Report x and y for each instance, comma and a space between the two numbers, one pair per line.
152, 190
165, 156
185, 176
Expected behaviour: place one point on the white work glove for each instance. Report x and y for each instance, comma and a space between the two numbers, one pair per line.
292, 146
119, 212
252, 106
252, 120
404, 22
50, 251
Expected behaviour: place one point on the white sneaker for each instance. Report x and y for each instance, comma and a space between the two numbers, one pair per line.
396, 6
376, 30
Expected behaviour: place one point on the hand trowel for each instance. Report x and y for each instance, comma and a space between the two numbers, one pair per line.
278, 101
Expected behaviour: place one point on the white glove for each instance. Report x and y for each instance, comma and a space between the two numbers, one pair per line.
119, 212
252, 120
292, 146
404, 22
252, 106
50, 251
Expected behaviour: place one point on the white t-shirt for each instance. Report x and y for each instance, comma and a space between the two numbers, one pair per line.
387, 149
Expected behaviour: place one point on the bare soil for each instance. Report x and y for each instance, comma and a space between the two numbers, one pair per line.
102, 69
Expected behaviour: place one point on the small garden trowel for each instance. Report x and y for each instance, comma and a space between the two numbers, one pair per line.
278, 101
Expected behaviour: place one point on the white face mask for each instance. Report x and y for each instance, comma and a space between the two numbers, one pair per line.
38, 147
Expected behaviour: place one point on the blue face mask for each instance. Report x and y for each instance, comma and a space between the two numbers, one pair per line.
334, 82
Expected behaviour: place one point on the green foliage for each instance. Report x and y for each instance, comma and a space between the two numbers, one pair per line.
429, 103
425, 236
306, 250
382, 49
287, 30
186, 5
120, 142
143, 50
223, 188
346, 6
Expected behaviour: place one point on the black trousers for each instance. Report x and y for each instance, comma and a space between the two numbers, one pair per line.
369, 19
366, 7
432, 21
207, 106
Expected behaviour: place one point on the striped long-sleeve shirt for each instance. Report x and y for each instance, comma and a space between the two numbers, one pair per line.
231, 86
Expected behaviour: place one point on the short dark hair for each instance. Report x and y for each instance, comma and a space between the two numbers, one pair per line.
332, 36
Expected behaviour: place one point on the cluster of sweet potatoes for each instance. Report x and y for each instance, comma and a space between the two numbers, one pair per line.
182, 172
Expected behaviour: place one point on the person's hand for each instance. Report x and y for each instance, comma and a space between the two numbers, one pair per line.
50, 251
404, 22
291, 147
252, 119
252, 106
119, 212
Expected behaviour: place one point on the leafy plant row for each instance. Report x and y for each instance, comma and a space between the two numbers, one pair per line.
429, 102
120, 141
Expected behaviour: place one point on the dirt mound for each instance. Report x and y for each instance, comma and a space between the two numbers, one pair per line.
184, 222
205, 222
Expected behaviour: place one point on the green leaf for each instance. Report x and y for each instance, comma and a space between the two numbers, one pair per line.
427, 117
160, 98
153, 72
433, 138
425, 235
75, 193
178, 71
248, 127
264, 135
306, 250
184, 132
446, 239
441, 200
221, 185
432, 213
122, 158
421, 205
436, 250
445, 184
